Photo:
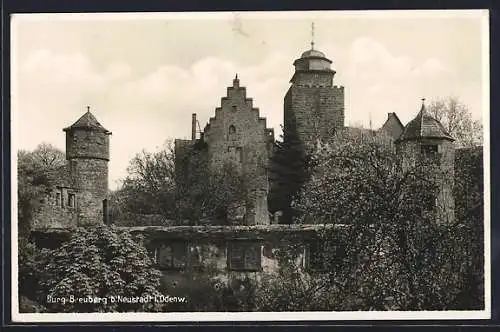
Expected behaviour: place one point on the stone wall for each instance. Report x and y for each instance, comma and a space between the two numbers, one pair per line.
237, 134
208, 252
81, 143
59, 209
91, 180
314, 111
226, 255
410, 152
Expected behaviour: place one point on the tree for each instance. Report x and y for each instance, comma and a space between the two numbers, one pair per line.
457, 120
288, 171
34, 176
399, 257
149, 187
181, 188
469, 206
206, 191
97, 263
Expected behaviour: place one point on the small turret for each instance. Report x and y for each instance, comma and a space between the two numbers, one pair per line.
425, 136
87, 151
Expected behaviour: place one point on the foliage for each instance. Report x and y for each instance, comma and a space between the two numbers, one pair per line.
28, 306
292, 288
150, 184
288, 171
97, 262
469, 206
400, 257
28, 272
182, 190
206, 192
34, 175
457, 120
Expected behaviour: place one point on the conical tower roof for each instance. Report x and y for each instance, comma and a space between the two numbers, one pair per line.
89, 122
424, 126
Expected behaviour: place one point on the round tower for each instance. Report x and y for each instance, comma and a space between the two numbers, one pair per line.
87, 152
425, 138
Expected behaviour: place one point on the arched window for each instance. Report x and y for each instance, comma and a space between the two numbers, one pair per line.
231, 136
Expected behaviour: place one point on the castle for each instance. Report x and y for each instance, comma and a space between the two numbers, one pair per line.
246, 246
238, 134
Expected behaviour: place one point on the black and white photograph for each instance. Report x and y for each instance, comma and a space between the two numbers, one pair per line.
250, 166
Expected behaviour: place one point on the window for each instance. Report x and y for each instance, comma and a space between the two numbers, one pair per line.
234, 108
430, 151
239, 154
58, 199
236, 153
171, 256
315, 256
105, 215
71, 200
231, 136
244, 256
195, 257
320, 257
429, 203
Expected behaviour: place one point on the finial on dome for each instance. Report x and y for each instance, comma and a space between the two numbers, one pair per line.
236, 81
422, 109
312, 36
88, 108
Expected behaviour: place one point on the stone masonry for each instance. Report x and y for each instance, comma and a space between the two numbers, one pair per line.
313, 106
237, 134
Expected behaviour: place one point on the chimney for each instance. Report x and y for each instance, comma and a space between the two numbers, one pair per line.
193, 127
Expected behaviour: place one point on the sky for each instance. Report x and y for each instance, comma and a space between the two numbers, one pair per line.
143, 75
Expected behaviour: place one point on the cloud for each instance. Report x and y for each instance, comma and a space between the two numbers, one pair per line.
379, 81
145, 108
142, 111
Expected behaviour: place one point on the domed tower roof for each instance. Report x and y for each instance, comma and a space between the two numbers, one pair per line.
424, 126
312, 53
88, 122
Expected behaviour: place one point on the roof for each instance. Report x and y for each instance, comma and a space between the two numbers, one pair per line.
87, 121
393, 126
313, 53
424, 126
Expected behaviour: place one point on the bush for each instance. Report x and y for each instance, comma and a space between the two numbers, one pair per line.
96, 263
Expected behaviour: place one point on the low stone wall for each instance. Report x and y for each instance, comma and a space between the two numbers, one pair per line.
224, 255
192, 256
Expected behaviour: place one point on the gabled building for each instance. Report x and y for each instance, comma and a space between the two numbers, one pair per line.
393, 126
237, 135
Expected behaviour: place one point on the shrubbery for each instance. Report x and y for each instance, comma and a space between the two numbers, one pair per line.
96, 262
